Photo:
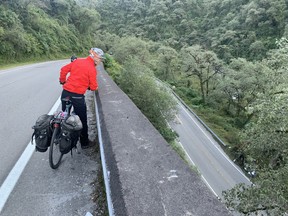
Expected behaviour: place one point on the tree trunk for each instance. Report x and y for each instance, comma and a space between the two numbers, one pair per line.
202, 89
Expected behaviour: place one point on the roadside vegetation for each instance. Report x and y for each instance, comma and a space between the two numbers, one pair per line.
226, 59
33, 30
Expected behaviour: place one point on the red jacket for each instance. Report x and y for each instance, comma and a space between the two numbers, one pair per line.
82, 76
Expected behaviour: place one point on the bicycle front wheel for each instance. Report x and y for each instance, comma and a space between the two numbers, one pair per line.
55, 155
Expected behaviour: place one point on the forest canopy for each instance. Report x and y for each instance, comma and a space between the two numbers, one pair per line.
227, 59
45, 29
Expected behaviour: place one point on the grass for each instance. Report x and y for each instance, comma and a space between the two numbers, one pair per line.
15, 63
176, 147
222, 128
22, 63
99, 194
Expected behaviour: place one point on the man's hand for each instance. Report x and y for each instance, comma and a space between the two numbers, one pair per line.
61, 83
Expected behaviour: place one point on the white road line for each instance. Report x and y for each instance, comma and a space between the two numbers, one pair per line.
187, 154
178, 120
206, 182
209, 186
19, 68
14, 175
228, 159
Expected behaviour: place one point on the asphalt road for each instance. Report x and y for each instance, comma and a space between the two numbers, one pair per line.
217, 170
27, 92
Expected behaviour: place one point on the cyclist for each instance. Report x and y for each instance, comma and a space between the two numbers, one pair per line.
83, 76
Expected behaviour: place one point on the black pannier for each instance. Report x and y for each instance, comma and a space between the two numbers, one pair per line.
70, 132
42, 132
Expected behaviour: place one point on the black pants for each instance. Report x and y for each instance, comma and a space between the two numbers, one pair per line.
80, 109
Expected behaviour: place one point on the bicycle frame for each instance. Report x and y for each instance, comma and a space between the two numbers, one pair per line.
62, 115
56, 127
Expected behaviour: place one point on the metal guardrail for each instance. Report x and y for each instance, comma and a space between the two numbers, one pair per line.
103, 161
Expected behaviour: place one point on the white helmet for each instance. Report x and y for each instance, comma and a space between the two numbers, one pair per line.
97, 51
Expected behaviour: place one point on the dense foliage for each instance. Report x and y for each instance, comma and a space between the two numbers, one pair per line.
265, 142
45, 29
227, 59
224, 60
230, 28
138, 82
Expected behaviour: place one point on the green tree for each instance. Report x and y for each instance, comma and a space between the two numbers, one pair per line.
14, 41
265, 144
131, 47
266, 17
167, 64
138, 82
85, 20
241, 85
60, 9
203, 64
106, 41
34, 28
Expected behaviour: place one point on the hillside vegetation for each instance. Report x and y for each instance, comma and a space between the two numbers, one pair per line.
45, 29
227, 59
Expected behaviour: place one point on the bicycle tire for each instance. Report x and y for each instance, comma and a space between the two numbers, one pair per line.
55, 155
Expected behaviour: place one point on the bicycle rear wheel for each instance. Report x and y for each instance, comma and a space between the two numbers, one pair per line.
55, 155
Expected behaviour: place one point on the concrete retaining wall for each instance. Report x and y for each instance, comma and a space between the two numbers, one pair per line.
146, 176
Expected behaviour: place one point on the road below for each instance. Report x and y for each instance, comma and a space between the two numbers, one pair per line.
217, 170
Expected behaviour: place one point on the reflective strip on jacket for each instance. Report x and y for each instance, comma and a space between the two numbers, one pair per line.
82, 76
